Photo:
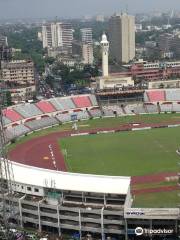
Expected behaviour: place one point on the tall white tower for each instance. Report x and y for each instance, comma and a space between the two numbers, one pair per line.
105, 55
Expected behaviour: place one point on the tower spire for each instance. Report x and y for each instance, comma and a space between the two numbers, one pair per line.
105, 55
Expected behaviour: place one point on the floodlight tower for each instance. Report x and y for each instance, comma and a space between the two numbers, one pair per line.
6, 175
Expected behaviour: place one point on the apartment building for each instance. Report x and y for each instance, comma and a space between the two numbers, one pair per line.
57, 35
19, 77
122, 37
87, 46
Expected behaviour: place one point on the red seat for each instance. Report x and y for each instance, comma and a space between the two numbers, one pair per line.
45, 107
82, 101
156, 96
12, 115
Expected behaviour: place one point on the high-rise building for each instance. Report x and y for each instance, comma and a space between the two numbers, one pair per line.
87, 46
57, 35
19, 77
87, 52
3, 41
5, 51
86, 34
122, 37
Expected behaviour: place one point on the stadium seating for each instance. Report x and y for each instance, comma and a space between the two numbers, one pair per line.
166, 107
64, 117
116, 109
176, 107
56, 103
45, 107
146, 98
129, 109
156, 95
151, 108
139, 108
172, 94
82, 101
41, 123
107, 112
95, 113
67, 103
82, 115
16, 131
6, 121
12, 115
28, 110
93, 100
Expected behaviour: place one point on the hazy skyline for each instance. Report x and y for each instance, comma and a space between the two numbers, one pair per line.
79, 8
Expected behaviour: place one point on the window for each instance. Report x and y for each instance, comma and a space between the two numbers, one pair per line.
29, 188
36, 190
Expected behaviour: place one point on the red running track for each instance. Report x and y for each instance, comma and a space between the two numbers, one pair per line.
43, 152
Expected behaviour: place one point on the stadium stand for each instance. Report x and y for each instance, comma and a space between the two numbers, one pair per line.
95, 113
116, 109
129, 109
45, 107
67, 103
6, 121
41, 123
166, 107
172, 94
93, 100
57, 105
176, 107
28, 110
12, 115
82, 101
82, 115
151, 108
107, 112
16, 131
139, 108
156, 95
64, 117
146, 98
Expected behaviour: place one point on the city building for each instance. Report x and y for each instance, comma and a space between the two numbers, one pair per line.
87, 53
86, 34
3, 41
122, 38
165, 44
57, 35
110, 81
5, 51
19, 77
100, 18
87, 46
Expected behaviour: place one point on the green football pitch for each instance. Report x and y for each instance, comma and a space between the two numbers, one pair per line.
125, 153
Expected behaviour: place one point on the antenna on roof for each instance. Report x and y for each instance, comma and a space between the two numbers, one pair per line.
127, 8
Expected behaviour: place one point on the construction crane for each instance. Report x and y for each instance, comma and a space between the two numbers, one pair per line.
6, 176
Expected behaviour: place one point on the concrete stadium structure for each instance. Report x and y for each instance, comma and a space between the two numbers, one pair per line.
68, 202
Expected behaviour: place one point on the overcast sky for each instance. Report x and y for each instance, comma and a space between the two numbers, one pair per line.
78, 8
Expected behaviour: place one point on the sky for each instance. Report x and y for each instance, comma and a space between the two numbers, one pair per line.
78, 8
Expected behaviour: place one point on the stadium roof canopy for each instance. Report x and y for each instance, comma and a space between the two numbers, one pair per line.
69, 181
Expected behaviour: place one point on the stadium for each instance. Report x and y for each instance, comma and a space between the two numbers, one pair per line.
65, 180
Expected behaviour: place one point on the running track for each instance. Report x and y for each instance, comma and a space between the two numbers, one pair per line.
43, 152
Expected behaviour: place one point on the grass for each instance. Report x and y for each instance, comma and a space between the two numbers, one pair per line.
125, 153
102, 123
158, 200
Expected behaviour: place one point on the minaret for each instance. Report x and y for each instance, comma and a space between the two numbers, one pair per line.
105, 53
